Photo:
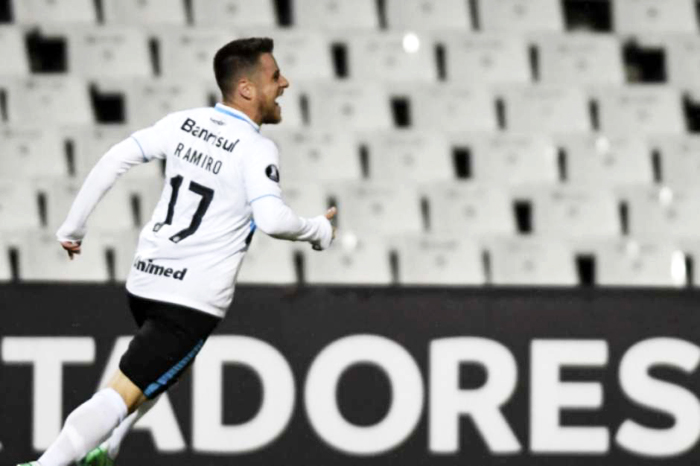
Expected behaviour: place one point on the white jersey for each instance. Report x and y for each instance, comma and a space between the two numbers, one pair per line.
217, 166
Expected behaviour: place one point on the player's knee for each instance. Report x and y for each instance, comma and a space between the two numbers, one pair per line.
131, 394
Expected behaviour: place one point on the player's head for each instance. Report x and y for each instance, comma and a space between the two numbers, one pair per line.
248, 76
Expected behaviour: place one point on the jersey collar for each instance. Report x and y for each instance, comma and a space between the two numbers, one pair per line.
232, 112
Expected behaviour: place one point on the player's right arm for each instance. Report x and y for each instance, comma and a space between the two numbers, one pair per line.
141, 147
272, 216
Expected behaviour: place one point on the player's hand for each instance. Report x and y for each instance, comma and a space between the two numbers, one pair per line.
330, 214
72, 247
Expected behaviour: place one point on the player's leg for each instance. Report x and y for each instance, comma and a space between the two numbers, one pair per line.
93, 421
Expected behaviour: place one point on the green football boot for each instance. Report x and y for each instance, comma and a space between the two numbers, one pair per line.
97, 457
31, 463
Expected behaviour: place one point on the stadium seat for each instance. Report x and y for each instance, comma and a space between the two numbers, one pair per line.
42, 259
301, 55
13, 52
680, 159
5, 266
94, 52
350, 261
648, 16
146, 101
146, 12
52, 11
189, 53
482, 59
121, 245
469, 210
377, 209
45, 100
545, 109
401, 157
518, 16
334, 15
638, 264
531, 262
30, 152
640, 110
579, 59
234, 13
691, 250
661, 212
346, 106
601, 161
572, 212
509, 159
682, 66
436, 15
19, 206
319, 156
427, 260
268, 261
452, 109
305, 199
387, 57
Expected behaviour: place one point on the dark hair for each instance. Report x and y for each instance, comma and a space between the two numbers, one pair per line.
238, 57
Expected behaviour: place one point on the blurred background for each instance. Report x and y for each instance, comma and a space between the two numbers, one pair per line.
465, 142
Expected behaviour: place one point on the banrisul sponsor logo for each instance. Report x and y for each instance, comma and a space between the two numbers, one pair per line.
190, 126
148, 266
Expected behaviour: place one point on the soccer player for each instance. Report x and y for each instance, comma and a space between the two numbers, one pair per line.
222, 182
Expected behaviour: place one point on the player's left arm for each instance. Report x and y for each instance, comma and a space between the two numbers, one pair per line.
141, 147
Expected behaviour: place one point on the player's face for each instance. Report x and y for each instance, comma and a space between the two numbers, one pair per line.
270, 85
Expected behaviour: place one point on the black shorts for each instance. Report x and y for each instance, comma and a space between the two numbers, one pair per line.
166, 343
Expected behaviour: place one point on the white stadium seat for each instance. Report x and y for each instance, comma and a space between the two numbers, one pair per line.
437, 15
427, 260
682, 66
95, 52
189, 53
268, 261
400, 157
349, 262
334, 15
452, 108
147, 12
44, 100
377, 209
19, 207
52, 11
579, 59
469, 210
680, 159
30, 152
691, 250
518, 16
531, 262
662, 212
42, 259
509, 159
482, 59
572, 212
317, 156
306, 199
347, 106
638, 264
5, 266
546, 109
234, 13
601, 161
648, 16
386, 57
13, 52
645, 109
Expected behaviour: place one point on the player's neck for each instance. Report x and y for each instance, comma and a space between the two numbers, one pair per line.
254, 115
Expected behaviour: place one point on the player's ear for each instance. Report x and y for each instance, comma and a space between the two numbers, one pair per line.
246, 89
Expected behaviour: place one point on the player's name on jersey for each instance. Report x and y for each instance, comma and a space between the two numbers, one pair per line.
198, 158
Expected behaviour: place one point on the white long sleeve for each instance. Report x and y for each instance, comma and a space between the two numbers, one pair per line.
120, 158
276, 219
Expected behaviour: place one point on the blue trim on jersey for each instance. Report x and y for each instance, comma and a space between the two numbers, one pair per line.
174, 371
143, 154
220, 108
265, 195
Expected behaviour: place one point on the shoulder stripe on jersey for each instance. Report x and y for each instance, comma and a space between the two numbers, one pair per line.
145, 159
265, 195
223, 110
